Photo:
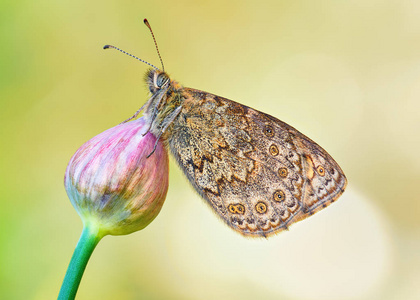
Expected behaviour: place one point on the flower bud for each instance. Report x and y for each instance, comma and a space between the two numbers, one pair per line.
111, 182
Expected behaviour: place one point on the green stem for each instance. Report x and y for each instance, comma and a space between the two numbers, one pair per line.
88, 240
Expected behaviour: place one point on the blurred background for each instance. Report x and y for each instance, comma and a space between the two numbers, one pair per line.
345, 73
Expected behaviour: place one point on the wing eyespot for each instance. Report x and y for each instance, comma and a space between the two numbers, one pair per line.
269, 131
279, 196
320, 170
261, 207
274, 151
283, 172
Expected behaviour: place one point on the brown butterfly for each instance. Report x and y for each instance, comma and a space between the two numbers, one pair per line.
258, 173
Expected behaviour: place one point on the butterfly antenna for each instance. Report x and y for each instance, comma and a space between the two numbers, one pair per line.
157, 49
113, 47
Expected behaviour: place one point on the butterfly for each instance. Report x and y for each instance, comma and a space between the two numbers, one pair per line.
259, 174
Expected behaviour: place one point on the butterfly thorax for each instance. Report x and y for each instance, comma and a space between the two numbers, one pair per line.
165, 102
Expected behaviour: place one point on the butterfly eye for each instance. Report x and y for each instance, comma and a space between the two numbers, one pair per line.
161, 80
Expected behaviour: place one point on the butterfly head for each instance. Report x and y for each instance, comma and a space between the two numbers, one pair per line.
157, 80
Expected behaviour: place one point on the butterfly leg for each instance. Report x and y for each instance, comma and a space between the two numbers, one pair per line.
154, 109
135, 115
168, 122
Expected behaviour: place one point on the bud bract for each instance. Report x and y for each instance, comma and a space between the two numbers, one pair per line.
112, 183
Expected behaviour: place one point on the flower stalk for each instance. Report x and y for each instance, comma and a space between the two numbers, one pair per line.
88, 240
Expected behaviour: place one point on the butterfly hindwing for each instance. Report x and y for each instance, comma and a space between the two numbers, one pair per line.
258, 173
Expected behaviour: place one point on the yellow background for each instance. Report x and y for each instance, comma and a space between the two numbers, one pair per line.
345, 73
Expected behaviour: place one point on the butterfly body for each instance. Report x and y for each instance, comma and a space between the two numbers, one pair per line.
258, 173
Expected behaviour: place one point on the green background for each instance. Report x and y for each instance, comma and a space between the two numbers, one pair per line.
345, 73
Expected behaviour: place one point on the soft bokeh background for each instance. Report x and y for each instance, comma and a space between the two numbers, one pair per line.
345, 73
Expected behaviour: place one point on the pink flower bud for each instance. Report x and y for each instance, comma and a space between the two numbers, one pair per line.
111, 182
